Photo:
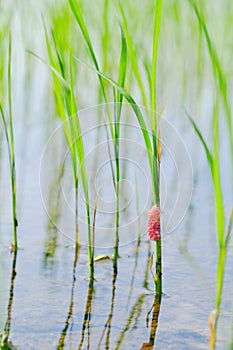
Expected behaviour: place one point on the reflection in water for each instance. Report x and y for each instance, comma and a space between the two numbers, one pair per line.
61, 341
138, 241
186, 252
109, 320
155, 310
5, 342
135, 313
137, 309
50, 244
145, 282
87, 317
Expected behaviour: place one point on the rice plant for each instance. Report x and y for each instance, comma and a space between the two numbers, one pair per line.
222, 238
114, 125
66, 104
9, 135
61, 94
214, 157
117, 117
151, 145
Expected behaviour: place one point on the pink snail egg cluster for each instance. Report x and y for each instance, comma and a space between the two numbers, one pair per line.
154, 223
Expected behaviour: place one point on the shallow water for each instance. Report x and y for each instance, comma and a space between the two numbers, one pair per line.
50, 308
43, 284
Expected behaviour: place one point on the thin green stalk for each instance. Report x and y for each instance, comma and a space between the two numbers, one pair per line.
154, 128
219, 205
106, 36
219, 209
157, 21
11, 148
117, 116
78, 141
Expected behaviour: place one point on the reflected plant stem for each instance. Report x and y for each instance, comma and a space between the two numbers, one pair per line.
134, 269
61, 341
54, 204
154, 323
145, 282
138, 241
135, 309
159, 287
109, 320
6, 335
195, 265
111, 311
87, 316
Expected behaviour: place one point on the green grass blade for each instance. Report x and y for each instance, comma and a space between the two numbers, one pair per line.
106, 36
218, 72
59, 83
80, 20
229, 230
217, 184
219, 210
118, 97
121, 79
6, 134
133, 56
147, 66
209, 155
12, 149
78, 137
157, 22
53, 69
59, 58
